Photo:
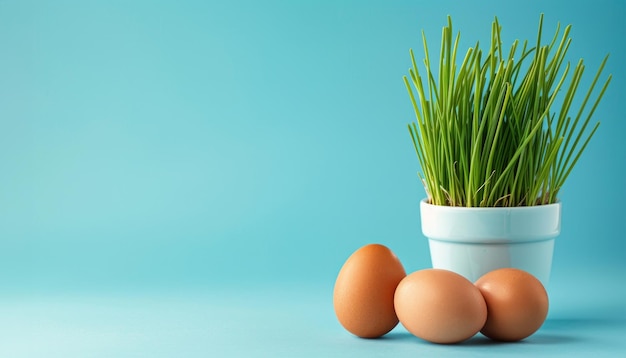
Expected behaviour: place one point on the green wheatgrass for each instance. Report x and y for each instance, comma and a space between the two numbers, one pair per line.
493, 132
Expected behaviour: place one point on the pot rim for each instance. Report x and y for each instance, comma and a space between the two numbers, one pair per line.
490, 224
490, 208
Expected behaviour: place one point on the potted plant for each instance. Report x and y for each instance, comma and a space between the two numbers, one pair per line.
496, 137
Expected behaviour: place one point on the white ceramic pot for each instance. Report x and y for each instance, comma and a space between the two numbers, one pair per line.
474, 241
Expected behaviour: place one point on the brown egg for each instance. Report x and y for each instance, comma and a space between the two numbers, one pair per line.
517, 304
363, 294
440, 306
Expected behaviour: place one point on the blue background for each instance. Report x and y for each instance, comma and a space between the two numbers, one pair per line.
233, 154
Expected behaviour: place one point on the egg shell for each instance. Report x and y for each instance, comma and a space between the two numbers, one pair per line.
364, 291
517, 304
440, 306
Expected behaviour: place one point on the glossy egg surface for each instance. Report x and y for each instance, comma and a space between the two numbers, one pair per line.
440, 306
517, 304
364, 291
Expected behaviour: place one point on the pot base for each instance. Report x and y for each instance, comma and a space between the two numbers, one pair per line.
475, 260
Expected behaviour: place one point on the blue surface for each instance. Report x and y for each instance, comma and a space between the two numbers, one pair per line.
587, 318
188, 177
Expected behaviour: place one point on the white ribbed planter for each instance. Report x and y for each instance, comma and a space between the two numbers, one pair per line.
474, 241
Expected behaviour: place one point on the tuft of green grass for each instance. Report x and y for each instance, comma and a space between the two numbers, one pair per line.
494, 131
